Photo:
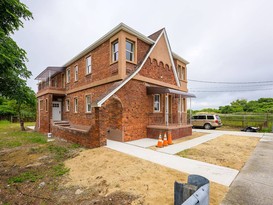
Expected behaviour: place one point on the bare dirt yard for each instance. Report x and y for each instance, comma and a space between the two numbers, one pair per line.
227, 150
114, 172
34, 171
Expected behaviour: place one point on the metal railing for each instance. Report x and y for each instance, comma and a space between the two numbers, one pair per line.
171, 118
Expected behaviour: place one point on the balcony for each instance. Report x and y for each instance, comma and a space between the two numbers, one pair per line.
45, 87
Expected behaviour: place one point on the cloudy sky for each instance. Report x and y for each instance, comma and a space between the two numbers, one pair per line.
224, 41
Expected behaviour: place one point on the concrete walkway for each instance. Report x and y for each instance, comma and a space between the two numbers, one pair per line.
218, 174
236, 133
175, 148
254, 184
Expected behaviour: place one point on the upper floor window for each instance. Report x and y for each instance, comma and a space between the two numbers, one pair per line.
181, 72
157, 103
67, 105
115, 51
129, 50
88, 65
68, 75
88, 103
75, 105
76, 73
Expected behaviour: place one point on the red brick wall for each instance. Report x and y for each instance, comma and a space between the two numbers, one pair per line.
158, 71
101, 67
136, 106
45, 115
176, 133
83, 118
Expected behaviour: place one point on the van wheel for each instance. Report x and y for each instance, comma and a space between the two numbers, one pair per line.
207, 126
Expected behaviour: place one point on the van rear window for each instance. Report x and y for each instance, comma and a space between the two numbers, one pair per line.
210, 117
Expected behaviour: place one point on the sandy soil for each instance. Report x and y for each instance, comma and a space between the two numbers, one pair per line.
227, 150
115, 172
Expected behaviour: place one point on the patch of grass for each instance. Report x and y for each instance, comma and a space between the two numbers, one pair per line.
75, 146
59, 152
25, 176
183, 153
60, 170
11, 136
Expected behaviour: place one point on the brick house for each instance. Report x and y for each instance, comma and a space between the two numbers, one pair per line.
123, 87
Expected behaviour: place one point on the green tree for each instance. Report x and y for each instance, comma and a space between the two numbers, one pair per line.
13, 72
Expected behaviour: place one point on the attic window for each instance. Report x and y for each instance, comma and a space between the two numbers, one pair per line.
130, 50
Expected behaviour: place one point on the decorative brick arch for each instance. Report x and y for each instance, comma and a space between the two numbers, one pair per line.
112, 114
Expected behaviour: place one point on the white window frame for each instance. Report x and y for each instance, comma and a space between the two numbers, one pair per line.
88, 108
67, 105
76, 73
131, 52
68, 75
88, 65
156, 104
115, 52
76, 105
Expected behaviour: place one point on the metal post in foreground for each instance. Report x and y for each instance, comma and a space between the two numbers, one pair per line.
196, 191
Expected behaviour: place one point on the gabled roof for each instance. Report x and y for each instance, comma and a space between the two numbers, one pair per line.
150, 40
107, 36
116, 86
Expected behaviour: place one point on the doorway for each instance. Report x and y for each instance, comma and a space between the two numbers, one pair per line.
56, 111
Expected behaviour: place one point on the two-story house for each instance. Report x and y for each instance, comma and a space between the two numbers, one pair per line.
123, 87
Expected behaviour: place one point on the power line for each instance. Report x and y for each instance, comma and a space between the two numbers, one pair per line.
221, 91
221, 82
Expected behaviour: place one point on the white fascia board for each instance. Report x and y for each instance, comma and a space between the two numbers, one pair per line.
107, 36
99, 104
176, 56
171, 57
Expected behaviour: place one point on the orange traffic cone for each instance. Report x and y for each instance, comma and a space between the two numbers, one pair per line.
165, 141
160, 141
170, 140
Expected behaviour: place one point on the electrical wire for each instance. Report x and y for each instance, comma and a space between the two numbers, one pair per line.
221, 82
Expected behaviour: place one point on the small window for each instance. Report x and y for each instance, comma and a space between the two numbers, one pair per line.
88, 65
41, 104
129, 50
210, 117
157, 103
88, 103
75, 105
183, 76
115, 51
68, 75
46, 106
76, 73
202, 117
67, 105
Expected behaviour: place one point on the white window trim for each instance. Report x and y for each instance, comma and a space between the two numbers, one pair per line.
115, 52
132, 52
86, 105
88, 68
156, 102
67, 105
68, 73
76, 73
76, 105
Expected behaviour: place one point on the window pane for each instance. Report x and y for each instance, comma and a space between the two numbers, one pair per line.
129, 46
88, 65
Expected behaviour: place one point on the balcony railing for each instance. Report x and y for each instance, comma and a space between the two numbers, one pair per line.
45, 85
168, 119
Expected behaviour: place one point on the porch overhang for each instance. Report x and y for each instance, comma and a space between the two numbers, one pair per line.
164, 90
49, 72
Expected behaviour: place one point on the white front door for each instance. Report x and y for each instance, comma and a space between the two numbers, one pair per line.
56, 110
166, 110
